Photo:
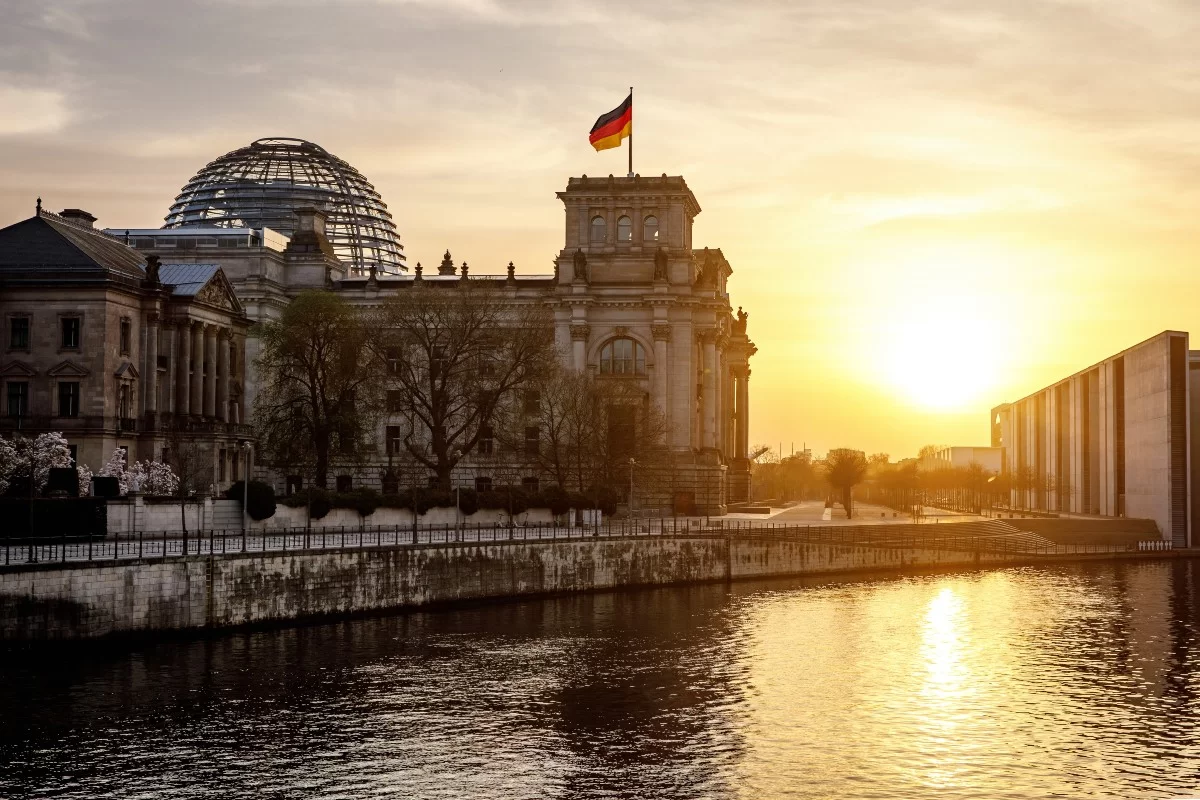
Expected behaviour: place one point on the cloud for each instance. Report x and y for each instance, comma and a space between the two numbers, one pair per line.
26, 111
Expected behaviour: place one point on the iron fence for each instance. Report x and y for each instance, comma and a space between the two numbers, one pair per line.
982, 538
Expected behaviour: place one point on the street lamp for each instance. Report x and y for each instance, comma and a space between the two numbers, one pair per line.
247, 445
457, 507
632, 464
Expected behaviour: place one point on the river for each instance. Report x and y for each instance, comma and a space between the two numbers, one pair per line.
1064, 681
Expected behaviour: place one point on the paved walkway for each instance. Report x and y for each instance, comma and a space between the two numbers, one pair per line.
812, 512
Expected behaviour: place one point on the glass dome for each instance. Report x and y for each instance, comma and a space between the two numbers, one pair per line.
261, 185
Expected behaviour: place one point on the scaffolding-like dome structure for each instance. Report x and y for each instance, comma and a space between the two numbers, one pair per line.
261, 186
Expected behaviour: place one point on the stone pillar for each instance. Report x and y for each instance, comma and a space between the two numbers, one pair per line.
197, 363
210, 370
743, 413
223, 377
183, 389
683, 386
709, 401
150, 393
662, 335
579, 337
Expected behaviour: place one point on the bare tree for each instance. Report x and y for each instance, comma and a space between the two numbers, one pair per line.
320, 384
456, 354
191, 464
845, 469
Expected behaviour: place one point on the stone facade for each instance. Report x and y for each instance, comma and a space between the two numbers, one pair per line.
633, 276
119, 351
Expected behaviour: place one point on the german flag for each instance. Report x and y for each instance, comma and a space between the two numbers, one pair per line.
614, 126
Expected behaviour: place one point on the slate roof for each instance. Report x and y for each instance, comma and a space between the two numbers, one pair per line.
50, 243
186, 280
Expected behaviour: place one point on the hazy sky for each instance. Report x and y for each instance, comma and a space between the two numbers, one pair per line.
931, 206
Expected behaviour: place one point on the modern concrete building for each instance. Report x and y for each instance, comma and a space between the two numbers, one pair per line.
1111, 440
989, 458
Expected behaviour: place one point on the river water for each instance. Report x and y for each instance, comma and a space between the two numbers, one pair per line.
1070, 681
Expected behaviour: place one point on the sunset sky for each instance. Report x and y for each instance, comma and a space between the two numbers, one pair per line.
931, 207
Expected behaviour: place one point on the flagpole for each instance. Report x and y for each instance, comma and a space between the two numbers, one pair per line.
630, 133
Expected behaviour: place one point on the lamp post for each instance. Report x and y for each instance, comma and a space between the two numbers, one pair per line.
245, 444
457, 506
632, 464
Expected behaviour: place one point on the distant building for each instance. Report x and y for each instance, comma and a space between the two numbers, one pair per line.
990, 458
1111, 440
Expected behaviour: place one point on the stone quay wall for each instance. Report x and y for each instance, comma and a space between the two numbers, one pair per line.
89, 600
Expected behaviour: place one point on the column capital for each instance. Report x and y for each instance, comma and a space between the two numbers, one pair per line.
707, 335
741, 371
580, 332
661, 332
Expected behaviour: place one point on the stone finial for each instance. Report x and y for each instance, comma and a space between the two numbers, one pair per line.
463, 273
512, 272
417, 278
39, 206
447, 265
152, 265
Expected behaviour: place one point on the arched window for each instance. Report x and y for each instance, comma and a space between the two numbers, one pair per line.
622, 357
624, 229
650, 229
599, 229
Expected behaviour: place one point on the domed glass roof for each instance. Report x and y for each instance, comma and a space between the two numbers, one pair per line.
261, 185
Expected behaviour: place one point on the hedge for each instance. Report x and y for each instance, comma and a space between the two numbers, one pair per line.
260, 499
366, 501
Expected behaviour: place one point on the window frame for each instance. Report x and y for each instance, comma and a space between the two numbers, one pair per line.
602, 229
78, 398
624, 229
533, 440
646, 228
63, 347
631, 365
9, 397
125, 335
13, 347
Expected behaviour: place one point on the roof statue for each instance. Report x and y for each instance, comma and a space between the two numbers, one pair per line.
660, 264
447, 265
579, 266
263, 184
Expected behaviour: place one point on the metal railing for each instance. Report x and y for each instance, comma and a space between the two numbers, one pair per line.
981, 538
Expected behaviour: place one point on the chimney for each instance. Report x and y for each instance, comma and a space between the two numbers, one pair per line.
78, 216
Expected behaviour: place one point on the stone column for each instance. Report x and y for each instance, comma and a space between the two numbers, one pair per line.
183, 389
197, 363
683, 385
150, 393
743, 413
709, 402
210, 371
662, 335
579, 337
223, 377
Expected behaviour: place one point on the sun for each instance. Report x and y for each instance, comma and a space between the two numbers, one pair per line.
942, 358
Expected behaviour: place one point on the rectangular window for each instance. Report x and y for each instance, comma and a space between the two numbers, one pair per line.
73, 449
487, 442
235, 466
126, 336
393, 361
70, 333
344, 483
483, 483
487, 367
18, 398
222, 457
18, 333
529, 484
295, 483
68, 398
437, 359
533, 402
622, 431
394, 401
394, 443
532, 437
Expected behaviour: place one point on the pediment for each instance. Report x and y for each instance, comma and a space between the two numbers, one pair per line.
219, 292
126, 370
17, 369
67, 369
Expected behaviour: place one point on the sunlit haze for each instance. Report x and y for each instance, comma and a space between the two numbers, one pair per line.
930, 207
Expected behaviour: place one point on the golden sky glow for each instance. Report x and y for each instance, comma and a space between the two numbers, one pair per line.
930, 207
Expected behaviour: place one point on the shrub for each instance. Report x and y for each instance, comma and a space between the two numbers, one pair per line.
556, 499
433, 498
259, 498
398, 500
468, 501
364, 501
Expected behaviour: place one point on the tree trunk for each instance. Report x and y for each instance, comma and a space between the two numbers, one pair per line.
321, 470
848, 501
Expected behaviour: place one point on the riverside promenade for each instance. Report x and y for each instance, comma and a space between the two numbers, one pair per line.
144, 583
